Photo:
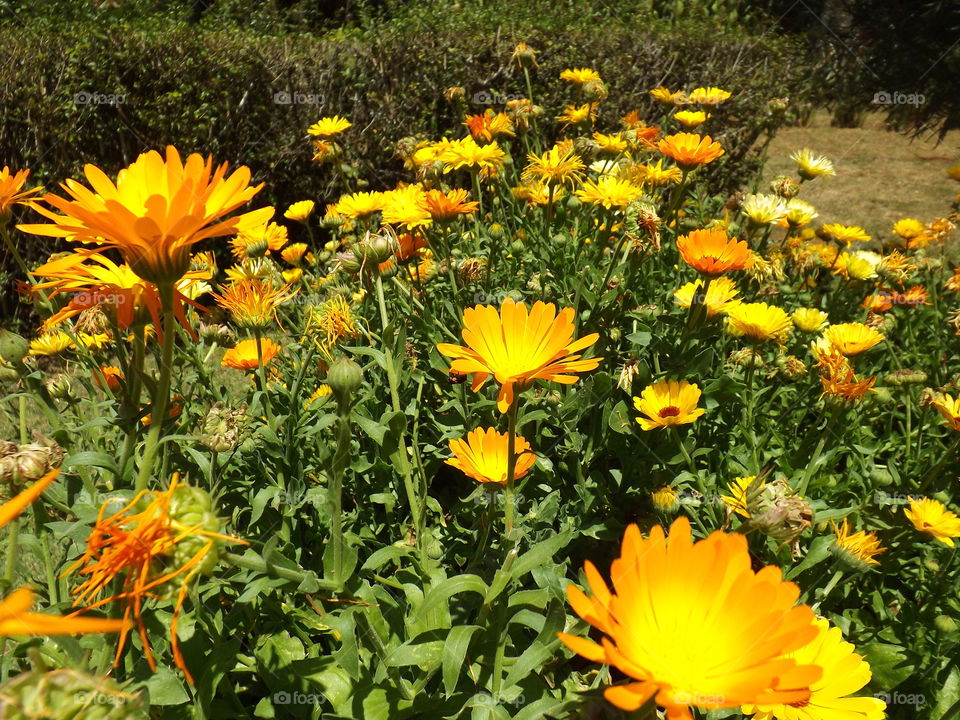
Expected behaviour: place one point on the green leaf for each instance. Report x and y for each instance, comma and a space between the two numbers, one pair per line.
539, 554
438, 595
426, 655
165, 687
818, 551
888, 663
91, 459
542, 649
384, 555
454, 652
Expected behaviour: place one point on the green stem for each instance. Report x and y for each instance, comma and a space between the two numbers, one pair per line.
162, 398
258, 564
341, 458
262, 375
509, 509
131, 399
821, 443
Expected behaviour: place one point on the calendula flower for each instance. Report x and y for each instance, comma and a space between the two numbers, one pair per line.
522, 112
709, 95
759, 321
485, 159
721, 293
12, 192
845, 234
406, 206
859, 548
329, 126
932, 517
689, 150
300, 211
949, 409
516, 347
244, 355
908, 228
448, 206
294, 253
489, 125
763, 209
612, 144
609, 192
15, 616
810, 165
809, 319
325, 151
580, 76
154, 214
109, 377
713, 647
253, 303
667, 97
691, 118
332, 322
857, 264
483, 456
93, 280
665, 499
741, 491
537, 194
524, 55
898, 265
155, 539
655, 174
844, 673
840, 382
712, 253
359, 204
798, 213
667, 403
53, 342
953, 172
554, 167
578, 114
853, 338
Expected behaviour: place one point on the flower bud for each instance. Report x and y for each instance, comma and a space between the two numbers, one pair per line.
594, 91
13, 347
906, 377
784, 186
59, 386
665, 500
344, 377
64, 694
945, 624
223, 428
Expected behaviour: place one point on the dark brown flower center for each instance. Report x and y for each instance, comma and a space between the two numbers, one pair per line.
670, 411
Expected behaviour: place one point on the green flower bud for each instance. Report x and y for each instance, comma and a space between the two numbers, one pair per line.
945, 624
66, 694
344, 377
13, 348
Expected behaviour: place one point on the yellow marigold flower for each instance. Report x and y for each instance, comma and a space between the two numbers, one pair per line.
655, 174
300, 211
698, 648
51, 343
554, 167
486, 159
609, 191
857, 264
898, 265
667, 97
259, 268
667, 403
853, 338
406, 206
809, 319
798, 213
580, 76
244, 355
578, 114
665, 499
15, 616
483, 456
721, 293
810, 165
322, 391
359, 204
860, 548
294, 253
763, 209
932, 517
516, 347
445, 207
329, 126
845, 234
689, 150
709, 95
489, 125
742, 490
712, 253
759, 321
157, 210
256, 241
949, 409
908, 228
611, 144
292, 276
691, 118
537, 193
844, 672
333, 321
12, 192
253, 303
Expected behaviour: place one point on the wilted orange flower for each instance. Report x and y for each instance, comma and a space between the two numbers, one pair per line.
154, 539
483, 456
712, 648
447, 206
243, 356
12, 192
154, 214
840, 382
711, 252
517, 346
489, 125
916, 295
689, 150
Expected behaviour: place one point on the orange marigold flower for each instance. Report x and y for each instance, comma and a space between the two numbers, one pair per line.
156, 538
517, 346
157, 210
489, 125
483, 456
109, 377
12, 192
711, 252
690, 150
447, 206
683, 623
244, 355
